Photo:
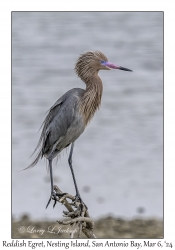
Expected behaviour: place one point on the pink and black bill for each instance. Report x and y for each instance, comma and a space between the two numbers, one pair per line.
113, 66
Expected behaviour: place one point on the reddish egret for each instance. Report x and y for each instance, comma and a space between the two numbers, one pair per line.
69, 116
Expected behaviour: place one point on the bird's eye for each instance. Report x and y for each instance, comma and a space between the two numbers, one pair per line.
102, 61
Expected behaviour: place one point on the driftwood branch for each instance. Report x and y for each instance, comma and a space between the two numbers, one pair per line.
77, 213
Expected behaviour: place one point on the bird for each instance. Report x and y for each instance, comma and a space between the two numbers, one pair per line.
71, 113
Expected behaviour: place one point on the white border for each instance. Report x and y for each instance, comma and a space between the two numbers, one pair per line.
5, 93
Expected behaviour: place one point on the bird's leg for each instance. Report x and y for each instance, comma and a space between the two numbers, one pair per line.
77, 196
53, 194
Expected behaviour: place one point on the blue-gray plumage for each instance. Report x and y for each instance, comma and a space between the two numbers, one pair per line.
70, 114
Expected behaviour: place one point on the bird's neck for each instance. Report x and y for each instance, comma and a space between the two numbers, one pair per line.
91, 98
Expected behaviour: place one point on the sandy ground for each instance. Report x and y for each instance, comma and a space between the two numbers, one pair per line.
108, 227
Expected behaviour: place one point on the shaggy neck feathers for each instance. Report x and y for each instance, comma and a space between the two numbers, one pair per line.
87, 68
91, 99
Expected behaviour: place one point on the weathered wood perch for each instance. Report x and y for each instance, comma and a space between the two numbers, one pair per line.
79, 216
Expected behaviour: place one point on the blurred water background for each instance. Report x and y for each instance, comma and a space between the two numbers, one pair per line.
118, 161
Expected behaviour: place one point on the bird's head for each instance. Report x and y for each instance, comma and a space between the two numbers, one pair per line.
91, 62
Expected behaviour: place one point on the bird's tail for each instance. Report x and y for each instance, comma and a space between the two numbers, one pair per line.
40, 144
39, 155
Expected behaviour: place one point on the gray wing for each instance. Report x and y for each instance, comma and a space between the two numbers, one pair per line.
61, 123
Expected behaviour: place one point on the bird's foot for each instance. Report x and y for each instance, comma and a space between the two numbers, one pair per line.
79, 199
53, 196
